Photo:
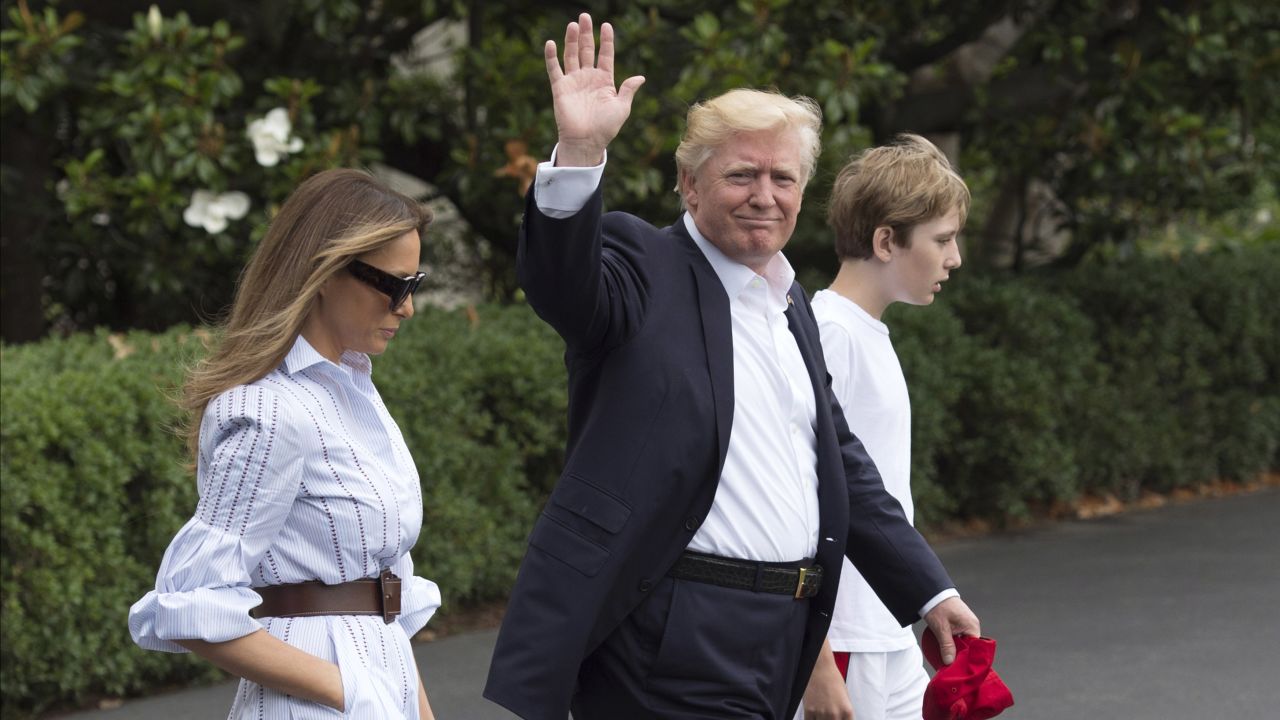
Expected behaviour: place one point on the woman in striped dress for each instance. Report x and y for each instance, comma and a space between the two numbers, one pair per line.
293, 568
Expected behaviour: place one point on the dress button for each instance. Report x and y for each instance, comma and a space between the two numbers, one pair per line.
645, 586
691, 524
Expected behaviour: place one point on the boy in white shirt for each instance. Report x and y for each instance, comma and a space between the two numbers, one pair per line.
895, 211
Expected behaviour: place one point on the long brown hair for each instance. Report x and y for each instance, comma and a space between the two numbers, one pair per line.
329, 219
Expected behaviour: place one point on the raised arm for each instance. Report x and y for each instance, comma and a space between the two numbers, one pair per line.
588, 287
589, 110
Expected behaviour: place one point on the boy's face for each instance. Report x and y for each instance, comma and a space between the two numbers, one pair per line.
919, 269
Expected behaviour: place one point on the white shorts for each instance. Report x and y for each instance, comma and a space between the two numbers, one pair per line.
885, 685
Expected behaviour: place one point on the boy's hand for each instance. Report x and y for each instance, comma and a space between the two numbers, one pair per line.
826, 697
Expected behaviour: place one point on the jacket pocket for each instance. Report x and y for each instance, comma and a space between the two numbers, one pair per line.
568, 546
589, 502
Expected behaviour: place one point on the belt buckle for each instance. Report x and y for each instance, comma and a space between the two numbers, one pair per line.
389, 591
800, 595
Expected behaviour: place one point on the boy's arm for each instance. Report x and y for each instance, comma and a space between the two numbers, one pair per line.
826, 697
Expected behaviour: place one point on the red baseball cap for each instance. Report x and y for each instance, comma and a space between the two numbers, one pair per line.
967, 689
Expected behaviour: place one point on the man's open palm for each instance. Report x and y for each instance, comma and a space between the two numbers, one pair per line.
589, 110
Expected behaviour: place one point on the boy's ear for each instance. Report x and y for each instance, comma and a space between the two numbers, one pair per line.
882, 243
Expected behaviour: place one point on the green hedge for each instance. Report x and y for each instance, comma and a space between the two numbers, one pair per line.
1025, 392
1148, 374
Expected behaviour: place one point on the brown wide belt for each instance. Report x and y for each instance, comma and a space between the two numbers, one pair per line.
779, 578
371, 596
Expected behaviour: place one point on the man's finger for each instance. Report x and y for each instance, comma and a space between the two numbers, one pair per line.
629, 88
571, 47
946, 644
554, 72
606, 49
586, 42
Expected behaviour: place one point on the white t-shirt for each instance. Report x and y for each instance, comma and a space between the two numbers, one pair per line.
867, 379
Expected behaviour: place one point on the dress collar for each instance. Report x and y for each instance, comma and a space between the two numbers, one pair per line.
303, 355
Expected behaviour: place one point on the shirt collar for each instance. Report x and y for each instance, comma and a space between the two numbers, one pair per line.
303, 355
778, 273
856, 310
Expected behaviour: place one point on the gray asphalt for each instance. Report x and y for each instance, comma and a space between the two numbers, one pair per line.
1158, 614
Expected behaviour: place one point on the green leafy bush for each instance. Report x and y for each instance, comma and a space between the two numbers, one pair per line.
93, 489
929, 344
1147, 374
1029, 366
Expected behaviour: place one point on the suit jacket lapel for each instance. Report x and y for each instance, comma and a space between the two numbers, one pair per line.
717, 334
807, 346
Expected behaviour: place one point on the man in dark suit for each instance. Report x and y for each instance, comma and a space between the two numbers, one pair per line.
686, 563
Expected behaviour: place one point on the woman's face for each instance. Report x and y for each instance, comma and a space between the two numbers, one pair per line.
352, 315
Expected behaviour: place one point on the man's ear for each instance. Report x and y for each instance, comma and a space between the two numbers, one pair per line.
688, 190
882, 243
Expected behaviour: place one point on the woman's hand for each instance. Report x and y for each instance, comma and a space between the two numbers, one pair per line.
262, 658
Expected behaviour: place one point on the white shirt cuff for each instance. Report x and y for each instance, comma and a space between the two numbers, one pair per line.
937, 599
560, 192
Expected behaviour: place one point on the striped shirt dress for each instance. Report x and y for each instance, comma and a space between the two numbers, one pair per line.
303, 476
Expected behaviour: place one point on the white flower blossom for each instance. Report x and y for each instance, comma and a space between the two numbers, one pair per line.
102, 219
270, 136
154, 25
211, 210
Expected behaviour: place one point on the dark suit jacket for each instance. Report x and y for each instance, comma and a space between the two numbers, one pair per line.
649, 351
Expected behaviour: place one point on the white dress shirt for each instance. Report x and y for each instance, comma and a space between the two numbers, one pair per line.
766, 503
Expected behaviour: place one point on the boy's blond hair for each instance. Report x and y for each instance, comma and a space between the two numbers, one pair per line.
899, 185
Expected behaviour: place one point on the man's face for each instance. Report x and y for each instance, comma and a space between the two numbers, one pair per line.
745, 197
919, 269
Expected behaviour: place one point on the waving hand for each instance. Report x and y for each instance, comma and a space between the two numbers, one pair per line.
589, 110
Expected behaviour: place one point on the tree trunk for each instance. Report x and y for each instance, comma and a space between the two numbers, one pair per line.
28, 156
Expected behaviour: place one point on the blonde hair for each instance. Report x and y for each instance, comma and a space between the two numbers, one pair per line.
713, 122
329, 219
899, 185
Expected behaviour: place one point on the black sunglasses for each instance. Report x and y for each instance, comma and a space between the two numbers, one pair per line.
397, 288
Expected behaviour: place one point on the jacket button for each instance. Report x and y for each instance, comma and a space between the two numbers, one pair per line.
691, 524
645, 586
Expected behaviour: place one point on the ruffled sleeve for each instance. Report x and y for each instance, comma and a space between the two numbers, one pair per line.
249, 472
420, 597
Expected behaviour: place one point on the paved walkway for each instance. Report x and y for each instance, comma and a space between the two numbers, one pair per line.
1153, 615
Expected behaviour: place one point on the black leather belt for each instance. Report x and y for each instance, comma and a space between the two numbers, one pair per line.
778, 578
